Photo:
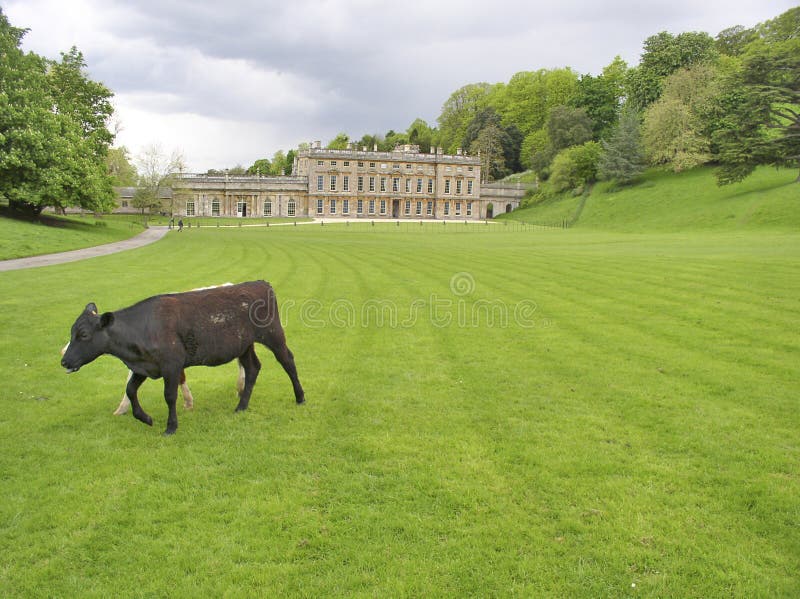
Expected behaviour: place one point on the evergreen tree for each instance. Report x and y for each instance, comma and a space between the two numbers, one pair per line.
623, 158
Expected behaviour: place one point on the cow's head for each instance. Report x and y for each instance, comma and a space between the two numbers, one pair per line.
88, 338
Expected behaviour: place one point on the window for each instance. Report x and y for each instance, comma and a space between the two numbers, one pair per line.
469, 187
346, 163
345, 183
447, 185
320, 182
430, 185
395, 184
419, 208
319, 207
458, 187
408, 167
345, 206
290, 208
360, 164
333, 163
383, 206
333, 182
470, 169
384, 165
458, 208
469, 208
360, 206
215, 207
408, 207
124, 203
430, 208
447, 208
267, 208
396, 167
419, 185
320, 162
371, 165
372, 206
189, 207
360, 183
408, 185
333, 206
383, 183
372, 183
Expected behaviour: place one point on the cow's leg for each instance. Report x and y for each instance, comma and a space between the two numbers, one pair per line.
134, 382
188, 400
286, 359
124, 403
251, 365
171, 381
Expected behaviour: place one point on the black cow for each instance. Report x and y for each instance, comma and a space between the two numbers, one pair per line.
162, 335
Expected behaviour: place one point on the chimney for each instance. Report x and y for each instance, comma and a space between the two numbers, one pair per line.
375, 148
458, 151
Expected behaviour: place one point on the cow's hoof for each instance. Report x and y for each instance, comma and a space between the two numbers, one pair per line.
169, 432
301, 401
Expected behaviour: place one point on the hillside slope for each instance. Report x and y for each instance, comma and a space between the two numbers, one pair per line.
665, 202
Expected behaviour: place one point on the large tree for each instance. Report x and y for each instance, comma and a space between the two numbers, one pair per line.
458, 111
53, 134
761, 103
156, 171
675, 131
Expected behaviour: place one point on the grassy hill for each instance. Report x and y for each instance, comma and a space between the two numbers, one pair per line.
19, 238
666, 202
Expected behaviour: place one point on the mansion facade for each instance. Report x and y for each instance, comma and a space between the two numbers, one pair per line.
351, 183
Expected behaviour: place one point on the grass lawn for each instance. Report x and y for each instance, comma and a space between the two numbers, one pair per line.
507, 413
19, 238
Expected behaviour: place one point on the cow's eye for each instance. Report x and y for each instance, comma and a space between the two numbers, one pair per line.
83, 336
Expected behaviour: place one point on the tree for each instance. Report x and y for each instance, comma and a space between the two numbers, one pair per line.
602, 96
675, 132
262, 166
458, 111
575, 166
509, 137
290, 155
339, 142
420, 134
156, 171
566, 126
761, 103
489, 147
622, 158
122, 172
664, 54
733, 40
53, 134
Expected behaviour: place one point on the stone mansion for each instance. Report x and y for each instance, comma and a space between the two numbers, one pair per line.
352, 183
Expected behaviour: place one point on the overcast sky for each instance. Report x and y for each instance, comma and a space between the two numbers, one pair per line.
230, 82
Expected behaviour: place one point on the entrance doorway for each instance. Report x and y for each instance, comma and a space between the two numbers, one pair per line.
489, 211
241, 209
395, 208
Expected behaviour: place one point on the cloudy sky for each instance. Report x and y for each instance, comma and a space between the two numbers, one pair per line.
229, 82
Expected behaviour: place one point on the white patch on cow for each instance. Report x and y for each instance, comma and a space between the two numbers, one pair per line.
218, 318
125, 403
240, 382
64, 349
188, 400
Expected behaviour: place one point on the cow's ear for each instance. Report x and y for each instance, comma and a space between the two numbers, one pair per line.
106, 319
90, 308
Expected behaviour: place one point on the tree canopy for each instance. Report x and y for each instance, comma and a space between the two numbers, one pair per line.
54, 137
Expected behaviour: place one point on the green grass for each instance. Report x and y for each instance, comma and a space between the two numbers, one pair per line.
635, 424
690, 201
19, 238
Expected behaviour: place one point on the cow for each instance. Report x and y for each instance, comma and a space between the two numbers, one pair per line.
161, 335
188, 400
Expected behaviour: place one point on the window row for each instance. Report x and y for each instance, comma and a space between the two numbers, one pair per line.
397, 183
459, 208
241, 208
384, 165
